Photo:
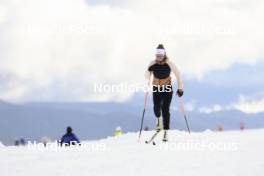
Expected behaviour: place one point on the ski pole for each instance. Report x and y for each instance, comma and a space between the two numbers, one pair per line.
184, 114
143, 114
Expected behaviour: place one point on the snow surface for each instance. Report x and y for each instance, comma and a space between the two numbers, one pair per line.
1, 145
208, 154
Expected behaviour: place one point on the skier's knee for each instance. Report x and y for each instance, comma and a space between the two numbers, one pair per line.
157, 111
165, 113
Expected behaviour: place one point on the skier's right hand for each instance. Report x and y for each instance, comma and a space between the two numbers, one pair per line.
179, 92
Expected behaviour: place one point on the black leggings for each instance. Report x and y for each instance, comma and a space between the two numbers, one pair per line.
162, 101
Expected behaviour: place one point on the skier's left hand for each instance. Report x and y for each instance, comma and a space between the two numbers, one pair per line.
179, 92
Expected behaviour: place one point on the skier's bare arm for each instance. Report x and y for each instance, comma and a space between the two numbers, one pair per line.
177, 74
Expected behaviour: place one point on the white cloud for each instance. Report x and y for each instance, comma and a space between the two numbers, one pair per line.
249, 104
214, 108
246, 103
188, 106
251, 107
68, 42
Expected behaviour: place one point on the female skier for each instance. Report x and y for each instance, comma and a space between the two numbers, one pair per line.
161, 69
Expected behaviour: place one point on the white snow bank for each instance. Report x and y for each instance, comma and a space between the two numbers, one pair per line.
215, 153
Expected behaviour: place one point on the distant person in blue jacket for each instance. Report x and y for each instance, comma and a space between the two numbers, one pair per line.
69, 138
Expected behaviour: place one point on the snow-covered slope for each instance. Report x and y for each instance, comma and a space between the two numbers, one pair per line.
1, 145
209, 153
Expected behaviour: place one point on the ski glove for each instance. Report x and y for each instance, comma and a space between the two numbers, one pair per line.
180, 92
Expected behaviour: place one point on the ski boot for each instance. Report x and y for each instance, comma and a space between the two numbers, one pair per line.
159, 125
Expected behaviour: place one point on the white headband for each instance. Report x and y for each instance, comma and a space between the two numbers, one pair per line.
160, 52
